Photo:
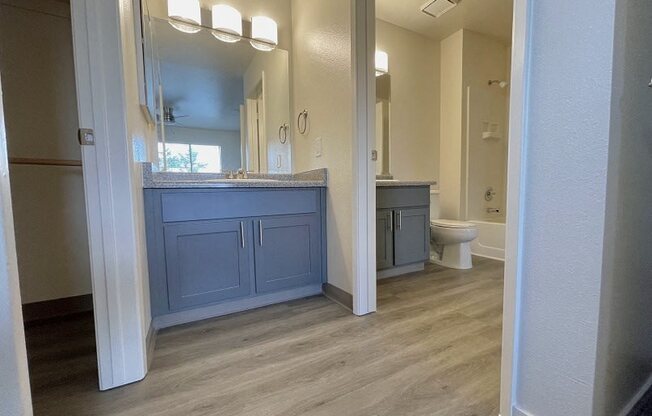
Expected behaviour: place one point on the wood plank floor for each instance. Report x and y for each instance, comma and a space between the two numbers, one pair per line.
433, 348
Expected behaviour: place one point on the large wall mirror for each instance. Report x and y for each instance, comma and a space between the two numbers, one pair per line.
220, 104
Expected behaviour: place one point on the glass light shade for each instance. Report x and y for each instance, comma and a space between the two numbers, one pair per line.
264, 33
185, 14
227, 23
382, 63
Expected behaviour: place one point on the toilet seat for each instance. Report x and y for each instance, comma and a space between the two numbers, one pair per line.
452, 224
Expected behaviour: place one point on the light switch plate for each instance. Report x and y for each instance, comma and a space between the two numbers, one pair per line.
279, 161
318, 147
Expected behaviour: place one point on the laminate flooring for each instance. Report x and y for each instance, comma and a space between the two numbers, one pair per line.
433, 348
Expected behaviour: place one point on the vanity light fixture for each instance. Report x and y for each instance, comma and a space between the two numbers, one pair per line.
382, 63
185, 15
227, 23
264, 33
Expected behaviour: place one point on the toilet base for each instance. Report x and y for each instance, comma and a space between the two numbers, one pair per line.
455, 256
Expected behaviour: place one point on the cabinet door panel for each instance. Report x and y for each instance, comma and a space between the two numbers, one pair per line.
384, 239
288, 252
411, 236
206, 262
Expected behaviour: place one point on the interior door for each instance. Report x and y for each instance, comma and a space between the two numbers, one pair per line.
287, 251
411, 236
384, 239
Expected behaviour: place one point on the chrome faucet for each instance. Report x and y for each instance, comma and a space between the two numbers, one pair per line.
241, 174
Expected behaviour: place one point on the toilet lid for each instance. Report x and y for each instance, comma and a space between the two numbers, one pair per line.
452, 224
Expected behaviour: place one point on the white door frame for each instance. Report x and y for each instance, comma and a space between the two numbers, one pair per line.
364, 296
15, 395
117, 295
363, 48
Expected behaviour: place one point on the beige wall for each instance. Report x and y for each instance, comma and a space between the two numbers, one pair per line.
414, 126
450, 168
322, 84
41, 116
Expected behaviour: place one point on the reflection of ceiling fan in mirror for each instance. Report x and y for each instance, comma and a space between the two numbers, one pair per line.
169, 118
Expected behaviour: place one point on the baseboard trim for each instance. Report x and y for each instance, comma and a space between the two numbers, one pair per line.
518, 412
398, 271
637, 397
227, 308
150, 344
56, 308
487, 257
338, 295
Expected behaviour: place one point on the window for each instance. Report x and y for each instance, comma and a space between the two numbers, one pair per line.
194, 158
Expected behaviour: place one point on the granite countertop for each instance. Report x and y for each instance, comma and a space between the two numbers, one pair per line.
173, 180
393, 183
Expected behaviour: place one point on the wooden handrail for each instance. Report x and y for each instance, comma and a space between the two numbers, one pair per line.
44, 162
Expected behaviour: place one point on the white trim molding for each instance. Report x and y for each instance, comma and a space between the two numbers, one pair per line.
637, 397
117, 295
363, 46
514, 224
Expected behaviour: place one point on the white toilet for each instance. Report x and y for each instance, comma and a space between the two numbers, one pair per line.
451, 243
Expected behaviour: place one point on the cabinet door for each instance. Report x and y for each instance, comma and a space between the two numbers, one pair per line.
384, 239
288, 252
207, 262
411, 236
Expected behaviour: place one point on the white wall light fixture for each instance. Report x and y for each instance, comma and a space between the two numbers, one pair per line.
185, 15
264, 33
382, 63
227, 23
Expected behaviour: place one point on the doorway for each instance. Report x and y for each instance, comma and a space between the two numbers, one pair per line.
511, 88
47, 186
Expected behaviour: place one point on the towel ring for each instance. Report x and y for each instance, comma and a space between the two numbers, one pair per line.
283, 133
302, 127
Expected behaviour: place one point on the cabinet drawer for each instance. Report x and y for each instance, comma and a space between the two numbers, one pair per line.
195, 205
402, 197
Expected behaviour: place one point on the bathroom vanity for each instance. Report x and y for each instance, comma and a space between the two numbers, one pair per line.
218, 246
402, 226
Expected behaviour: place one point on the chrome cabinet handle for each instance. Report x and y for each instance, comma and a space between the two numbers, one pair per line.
242, 236
400, 220
260, 232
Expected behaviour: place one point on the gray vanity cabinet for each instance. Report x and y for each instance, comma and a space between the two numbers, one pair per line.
233, 249
206, 262
402, 226
384, 239
287, 252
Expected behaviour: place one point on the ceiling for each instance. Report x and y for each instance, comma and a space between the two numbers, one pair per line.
490, 17
202, 77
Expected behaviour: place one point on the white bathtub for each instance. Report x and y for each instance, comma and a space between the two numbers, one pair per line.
491, 240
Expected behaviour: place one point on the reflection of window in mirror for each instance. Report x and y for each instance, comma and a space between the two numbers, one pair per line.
191, 158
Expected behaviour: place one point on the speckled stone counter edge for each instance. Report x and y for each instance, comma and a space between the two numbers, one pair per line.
173, 180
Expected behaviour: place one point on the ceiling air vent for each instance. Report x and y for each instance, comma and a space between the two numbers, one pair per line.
437, 8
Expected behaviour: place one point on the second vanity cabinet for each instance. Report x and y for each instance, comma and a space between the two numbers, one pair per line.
402, 226
210, 246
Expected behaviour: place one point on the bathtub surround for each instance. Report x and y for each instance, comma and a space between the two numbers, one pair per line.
470, 164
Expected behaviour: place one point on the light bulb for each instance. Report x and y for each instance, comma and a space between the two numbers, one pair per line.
382, 63
227, 23
185, 15
264, 33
